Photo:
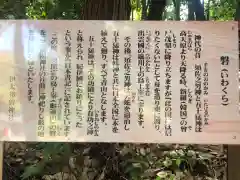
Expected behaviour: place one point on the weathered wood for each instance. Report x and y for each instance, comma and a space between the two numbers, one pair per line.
1, 160
233, 172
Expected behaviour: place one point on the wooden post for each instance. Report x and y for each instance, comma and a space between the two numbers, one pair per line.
1, 159
233, 156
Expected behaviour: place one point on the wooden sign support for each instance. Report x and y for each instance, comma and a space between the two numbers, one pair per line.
233, 155
1, 159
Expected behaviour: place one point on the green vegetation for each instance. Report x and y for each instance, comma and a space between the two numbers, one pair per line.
98, 161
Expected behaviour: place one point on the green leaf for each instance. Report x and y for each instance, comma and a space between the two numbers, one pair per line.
178, 162
167, 162
159, 163
44, 14
135, 173
172, 177
129, 168
143, 163
173, 153
32, 171
162, 174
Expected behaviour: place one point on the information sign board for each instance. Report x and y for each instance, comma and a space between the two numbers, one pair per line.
119, 81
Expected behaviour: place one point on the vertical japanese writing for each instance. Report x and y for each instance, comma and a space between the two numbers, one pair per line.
205, 93
190, 41
96, 123
79, 80
53, 85
141, 77
31, 71
104, 73
91, 87
96, 120
170, 43
183, 82
190, 96
198, 83
12, 98
157, 97
224, 79
42, 84
115, 86
127, 81
148, 61
190, 48
68, 82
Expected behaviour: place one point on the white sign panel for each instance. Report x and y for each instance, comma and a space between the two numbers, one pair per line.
104, 81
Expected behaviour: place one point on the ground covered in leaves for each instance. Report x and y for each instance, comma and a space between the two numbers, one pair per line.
102, 161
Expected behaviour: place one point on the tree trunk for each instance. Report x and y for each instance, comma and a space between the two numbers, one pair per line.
191, 10
208, 11
237, 14
199, 10
104, 10
156, 8
107, 10
195, 6
144, 10
177, 5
